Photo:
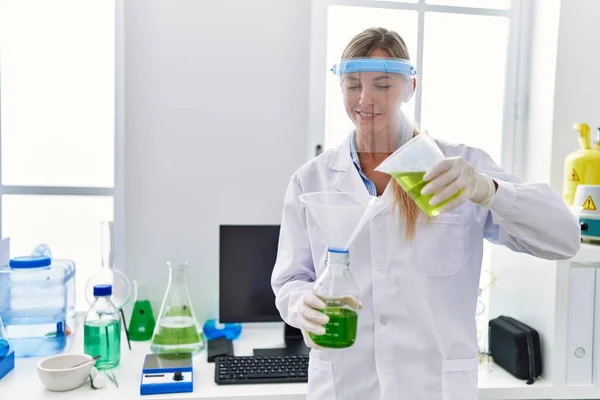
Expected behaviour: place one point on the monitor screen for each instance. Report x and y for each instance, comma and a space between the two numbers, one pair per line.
247, 254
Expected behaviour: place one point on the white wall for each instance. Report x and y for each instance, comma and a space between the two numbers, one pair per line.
216, 123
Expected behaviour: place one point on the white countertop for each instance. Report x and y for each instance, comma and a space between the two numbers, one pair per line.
22, 382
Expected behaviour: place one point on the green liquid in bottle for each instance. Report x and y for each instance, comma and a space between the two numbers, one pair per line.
142, 321
103, 338
412, 183
340, 331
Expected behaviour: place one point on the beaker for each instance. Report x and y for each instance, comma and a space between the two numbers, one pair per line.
338, 290
177, 329
408, 165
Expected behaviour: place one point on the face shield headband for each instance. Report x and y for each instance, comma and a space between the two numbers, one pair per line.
389, 65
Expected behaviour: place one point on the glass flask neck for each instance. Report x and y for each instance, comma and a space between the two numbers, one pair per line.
338, 259
104, 305
177, 272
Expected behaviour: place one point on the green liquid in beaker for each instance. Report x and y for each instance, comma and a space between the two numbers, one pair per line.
103, 338
142, 321
412, 183
340, 331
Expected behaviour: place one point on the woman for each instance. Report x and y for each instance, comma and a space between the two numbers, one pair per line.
418, 277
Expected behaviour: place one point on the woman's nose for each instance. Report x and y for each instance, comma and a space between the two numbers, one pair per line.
366, 96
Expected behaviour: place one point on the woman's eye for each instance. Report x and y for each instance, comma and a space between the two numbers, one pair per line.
383, 86
356, 87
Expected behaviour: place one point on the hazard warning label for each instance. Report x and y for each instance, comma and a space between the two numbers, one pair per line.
574, 176
589, 204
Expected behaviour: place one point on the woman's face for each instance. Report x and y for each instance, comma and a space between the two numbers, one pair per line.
373, 100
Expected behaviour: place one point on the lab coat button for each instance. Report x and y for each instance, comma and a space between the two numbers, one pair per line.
383, 321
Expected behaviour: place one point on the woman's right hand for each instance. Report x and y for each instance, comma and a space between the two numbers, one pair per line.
310, 318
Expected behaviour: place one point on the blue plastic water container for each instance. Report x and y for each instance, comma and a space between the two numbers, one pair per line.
37, 304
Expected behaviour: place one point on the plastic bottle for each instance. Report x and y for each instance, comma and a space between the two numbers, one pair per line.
102, 329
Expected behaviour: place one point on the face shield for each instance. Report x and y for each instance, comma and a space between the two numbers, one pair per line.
373, 96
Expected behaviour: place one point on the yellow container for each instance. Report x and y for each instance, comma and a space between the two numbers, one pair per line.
581, 166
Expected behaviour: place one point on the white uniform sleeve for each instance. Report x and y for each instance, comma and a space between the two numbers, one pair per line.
526, 217
294, 273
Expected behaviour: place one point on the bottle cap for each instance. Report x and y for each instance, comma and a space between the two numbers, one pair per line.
30, 262
102, 290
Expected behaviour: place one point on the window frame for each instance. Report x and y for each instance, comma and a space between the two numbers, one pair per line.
516, 81
116, 191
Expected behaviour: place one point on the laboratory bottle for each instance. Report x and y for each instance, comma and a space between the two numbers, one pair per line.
102, 329
338, 290
177, 329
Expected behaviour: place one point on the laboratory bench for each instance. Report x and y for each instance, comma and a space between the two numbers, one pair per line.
23, 383
494, 382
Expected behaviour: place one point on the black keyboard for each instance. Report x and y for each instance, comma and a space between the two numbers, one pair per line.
254, 369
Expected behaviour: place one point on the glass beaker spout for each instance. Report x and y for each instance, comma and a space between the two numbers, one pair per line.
177, 329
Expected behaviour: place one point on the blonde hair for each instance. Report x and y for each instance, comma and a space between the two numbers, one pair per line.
390, 42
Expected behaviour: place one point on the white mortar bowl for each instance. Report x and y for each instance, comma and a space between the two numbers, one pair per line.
56, 372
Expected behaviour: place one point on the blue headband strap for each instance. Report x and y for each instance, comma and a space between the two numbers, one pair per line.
394, 66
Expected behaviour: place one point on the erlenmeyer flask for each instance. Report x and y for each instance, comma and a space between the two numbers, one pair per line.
177, 329
142, 322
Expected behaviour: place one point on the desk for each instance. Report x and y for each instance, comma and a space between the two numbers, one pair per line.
22, 382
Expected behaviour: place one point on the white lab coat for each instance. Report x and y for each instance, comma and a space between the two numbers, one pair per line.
417, 335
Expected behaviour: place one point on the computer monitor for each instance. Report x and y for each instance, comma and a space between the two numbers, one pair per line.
247, 254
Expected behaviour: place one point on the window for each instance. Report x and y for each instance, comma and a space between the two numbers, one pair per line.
466, 59
466, 53
58, 70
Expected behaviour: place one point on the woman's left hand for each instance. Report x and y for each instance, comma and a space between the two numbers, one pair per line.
453, 174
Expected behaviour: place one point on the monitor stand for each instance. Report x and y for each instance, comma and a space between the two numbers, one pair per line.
294, 345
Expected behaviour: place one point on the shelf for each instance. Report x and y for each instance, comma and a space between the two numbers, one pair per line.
497, 384
587, 253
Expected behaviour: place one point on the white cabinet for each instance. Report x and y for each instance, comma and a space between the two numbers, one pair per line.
561, 300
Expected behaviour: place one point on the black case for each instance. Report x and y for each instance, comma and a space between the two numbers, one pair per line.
515, 347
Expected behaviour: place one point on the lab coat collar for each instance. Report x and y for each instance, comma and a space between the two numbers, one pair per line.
351, 182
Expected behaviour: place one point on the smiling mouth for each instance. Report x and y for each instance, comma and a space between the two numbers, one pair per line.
366, 115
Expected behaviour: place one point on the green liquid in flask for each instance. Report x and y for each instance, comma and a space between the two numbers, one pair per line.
412, 183
103, 338
340, 331
177, 334
142, 321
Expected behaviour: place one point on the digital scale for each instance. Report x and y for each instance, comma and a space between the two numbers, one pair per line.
162, 374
